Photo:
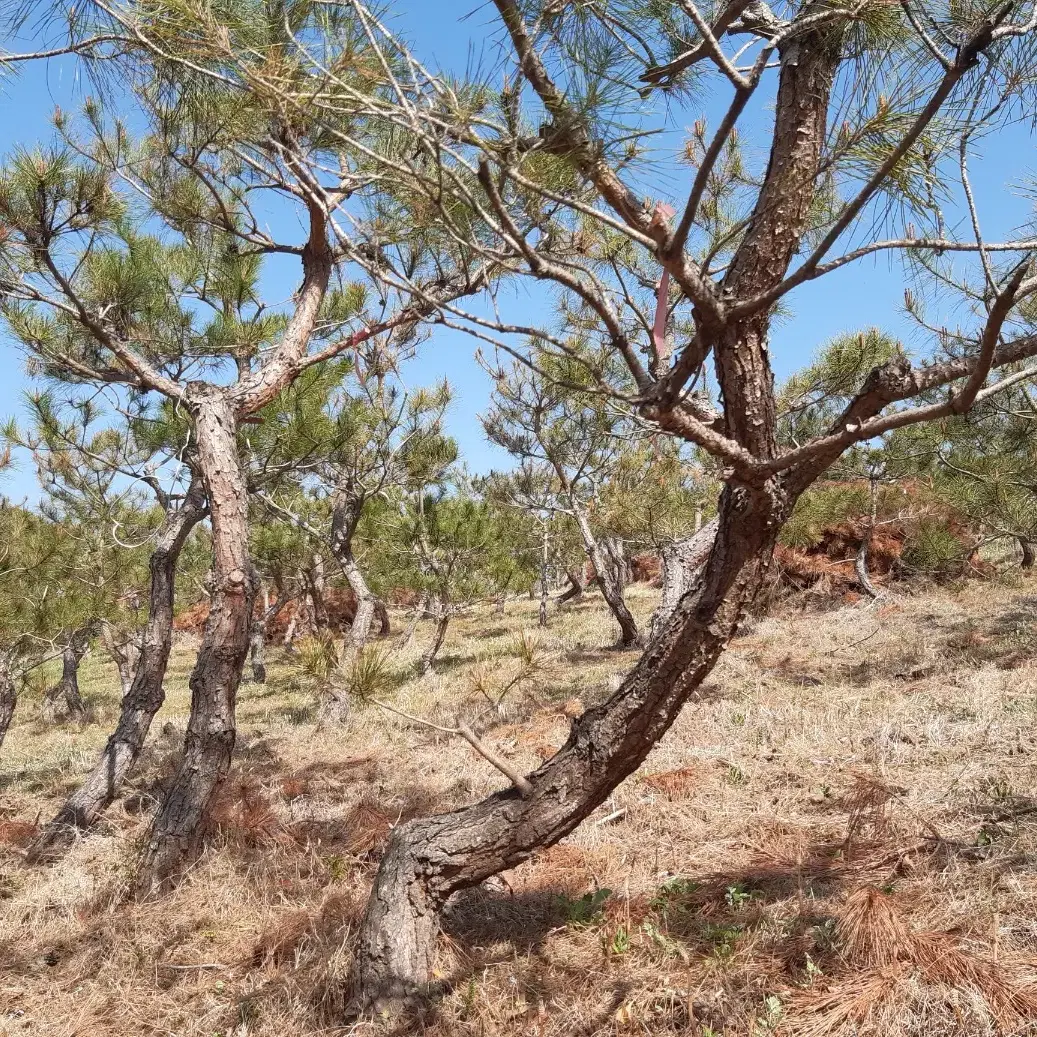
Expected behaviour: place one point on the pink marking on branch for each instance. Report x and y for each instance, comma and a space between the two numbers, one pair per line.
660, 216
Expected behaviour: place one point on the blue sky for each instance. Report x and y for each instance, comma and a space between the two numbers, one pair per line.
450, 34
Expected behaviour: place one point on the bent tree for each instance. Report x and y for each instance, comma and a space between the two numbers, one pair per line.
872, 108
106, 476
137, 263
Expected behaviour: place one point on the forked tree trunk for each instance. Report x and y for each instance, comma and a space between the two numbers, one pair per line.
8, 695
180, 825
146, 693
442, 622
428, 860
63, 702
681, 563
611, 588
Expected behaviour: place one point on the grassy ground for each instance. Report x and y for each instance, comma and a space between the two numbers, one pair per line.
837, 837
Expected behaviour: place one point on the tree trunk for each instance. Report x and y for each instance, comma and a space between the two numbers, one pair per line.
861, 562
428, 860
146, 693
316, 586
544, 559
63, 702
575, 591
8, 695
347, 507
1028, 554
180, 826
611, 589
682, 562
443, 621
257, 651
257, 638
419, 612
124, 650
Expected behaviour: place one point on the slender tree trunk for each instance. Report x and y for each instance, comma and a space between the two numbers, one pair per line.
544, 559
442, 622
63, 702
430, 859
682, 562
180, 826
861, 561
258, 636
1028, 553
146, 693
8, 695
611, 590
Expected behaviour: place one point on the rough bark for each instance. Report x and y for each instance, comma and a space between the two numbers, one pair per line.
611, 588
146, 693
8, 696
180, 824
430, 859
682, 561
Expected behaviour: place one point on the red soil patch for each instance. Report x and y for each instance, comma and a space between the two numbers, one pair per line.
678, 784
340, 604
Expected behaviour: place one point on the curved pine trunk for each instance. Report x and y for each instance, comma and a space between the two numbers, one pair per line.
609, 582
430, 859
179, 828
574, 592
146, 692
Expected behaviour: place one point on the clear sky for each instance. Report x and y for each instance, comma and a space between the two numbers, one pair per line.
451, 34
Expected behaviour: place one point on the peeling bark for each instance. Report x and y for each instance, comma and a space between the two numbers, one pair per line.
682, 562
180, 826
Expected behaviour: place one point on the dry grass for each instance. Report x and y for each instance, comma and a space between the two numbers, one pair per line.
837, 838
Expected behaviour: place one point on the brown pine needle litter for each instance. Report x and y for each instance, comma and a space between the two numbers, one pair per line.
825, 845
